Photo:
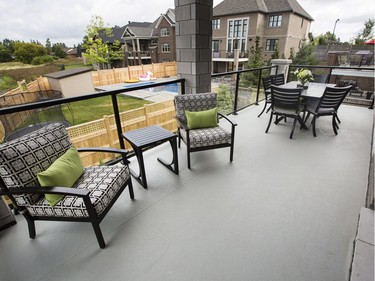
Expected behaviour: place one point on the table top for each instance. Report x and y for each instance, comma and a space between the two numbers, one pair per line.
315, 90
148, 136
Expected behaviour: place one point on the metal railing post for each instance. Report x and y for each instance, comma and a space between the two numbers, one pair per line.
259, 78
236, 93
118, 120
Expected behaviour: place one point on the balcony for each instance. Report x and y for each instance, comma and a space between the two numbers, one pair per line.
283, 210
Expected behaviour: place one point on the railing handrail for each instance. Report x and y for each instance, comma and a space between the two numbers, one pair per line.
41, 104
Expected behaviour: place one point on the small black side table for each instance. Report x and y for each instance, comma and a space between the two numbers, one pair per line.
148, 137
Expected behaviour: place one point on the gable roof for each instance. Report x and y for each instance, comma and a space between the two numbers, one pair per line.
169, 16
232, 7
138, 29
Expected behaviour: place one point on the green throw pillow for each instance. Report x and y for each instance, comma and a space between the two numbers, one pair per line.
201, 119
64, 172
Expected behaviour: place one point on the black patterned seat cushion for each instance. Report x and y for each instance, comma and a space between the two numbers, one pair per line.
104, 182
22, 158
208, 137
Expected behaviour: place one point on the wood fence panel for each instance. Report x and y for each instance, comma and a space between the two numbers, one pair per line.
103, 132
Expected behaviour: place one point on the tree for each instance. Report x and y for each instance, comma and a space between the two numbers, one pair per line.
25, 52
255, 61
304, 55
366, 33
5, 54
325, 39
96, 50
48, 46
58, 50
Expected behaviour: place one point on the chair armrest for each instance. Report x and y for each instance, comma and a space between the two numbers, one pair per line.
226, 118
182, 123
43, 190
123, 152
102, 149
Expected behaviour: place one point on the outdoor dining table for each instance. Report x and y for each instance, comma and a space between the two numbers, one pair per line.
314, 90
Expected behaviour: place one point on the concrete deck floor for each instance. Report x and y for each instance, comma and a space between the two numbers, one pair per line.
284, 210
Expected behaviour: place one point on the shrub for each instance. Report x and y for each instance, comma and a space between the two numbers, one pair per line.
7, 83
41, 60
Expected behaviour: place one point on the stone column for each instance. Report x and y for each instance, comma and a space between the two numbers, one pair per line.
193, 43
283, 67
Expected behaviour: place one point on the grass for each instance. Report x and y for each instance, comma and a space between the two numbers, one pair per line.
84, 111
89, 110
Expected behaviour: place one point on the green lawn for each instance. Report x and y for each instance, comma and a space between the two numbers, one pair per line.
89, 110
84, 111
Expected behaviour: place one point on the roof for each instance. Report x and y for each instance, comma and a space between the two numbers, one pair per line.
231, 7
67, 73
138, 29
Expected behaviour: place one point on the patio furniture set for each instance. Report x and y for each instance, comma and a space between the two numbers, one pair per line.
291, 100
42, 174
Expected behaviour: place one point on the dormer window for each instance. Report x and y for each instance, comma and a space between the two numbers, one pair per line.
275, 21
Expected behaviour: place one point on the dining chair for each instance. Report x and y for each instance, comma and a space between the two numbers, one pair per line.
198, 126
267, 93
41, 172
285, 102
278, 79
327, 105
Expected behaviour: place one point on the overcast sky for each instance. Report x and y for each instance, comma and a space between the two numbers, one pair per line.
66, 21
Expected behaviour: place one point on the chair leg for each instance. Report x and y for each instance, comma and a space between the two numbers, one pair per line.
188, 158
337, 118
313, 124
30, 225
264, 108
269, 122
98, 234
130, 187
334, 124
294, 126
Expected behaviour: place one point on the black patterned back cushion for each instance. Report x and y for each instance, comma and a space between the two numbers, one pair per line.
22, 158
194, 102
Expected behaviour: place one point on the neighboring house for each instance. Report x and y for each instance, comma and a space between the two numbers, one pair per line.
236, 23
166, 43
71, 53
149, 42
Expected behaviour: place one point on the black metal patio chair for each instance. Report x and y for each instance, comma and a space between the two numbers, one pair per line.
42, 154
202, 138
285, 102
327, 105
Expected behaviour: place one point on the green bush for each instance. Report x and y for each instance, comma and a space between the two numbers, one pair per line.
7, 83
41, 60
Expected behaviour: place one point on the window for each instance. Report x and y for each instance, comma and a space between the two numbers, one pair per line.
215, 45
275, 21
216, 24
153, 42
165, 48
271, 44
237, 34
164, 32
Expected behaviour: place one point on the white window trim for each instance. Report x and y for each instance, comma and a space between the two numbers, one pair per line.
275, 15
163, 50
240, 37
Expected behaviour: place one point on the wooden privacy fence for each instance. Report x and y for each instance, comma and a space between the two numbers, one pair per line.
103, 132
119, 75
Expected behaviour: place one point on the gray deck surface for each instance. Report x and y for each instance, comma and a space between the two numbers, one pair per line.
284, 210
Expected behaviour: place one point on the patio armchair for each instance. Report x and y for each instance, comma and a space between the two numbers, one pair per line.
192, 111
285, 102
43, 175
327, 105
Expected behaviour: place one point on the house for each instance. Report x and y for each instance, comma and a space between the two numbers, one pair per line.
150, 42
236, 23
